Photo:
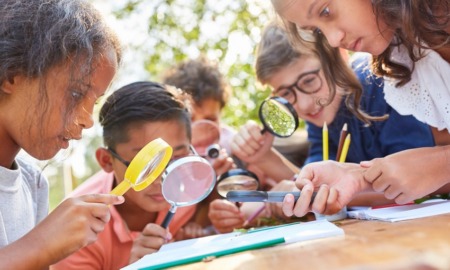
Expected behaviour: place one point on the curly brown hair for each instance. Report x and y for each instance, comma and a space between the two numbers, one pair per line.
418, 24
201, 79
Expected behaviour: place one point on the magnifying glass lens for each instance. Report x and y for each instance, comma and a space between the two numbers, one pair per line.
145, 167
278, 117
188, 181
236, 182
237, 179
150, 168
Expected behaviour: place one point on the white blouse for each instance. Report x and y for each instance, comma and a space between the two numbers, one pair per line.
427, 95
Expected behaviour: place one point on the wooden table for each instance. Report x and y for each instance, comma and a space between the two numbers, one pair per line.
415, 244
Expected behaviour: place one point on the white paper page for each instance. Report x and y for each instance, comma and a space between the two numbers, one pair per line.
406, 212
196, 241
207, 245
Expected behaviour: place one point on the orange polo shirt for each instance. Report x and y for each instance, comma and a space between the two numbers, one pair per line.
113, 246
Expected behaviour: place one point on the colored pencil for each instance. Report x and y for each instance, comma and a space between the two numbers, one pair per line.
325, 141
345, 148
341, 141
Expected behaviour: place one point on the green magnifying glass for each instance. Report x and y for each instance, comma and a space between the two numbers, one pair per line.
145, 167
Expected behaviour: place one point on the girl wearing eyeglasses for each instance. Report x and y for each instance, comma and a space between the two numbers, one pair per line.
318, 82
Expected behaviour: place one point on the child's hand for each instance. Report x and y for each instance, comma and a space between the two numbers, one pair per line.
190, 230
275, 209
225, 216
149, 241
249, 144
74, 224
335, 183
222, 163
410, 174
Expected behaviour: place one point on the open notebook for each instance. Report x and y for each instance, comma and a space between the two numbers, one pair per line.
195, 250
402, 212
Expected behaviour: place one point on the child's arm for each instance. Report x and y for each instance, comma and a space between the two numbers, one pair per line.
254, 148
410, 174
74, 224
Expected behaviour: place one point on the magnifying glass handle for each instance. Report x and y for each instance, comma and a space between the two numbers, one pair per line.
261, 196
121, 188
168, 217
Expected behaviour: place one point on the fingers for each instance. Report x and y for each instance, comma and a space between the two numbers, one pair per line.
156, 230
153, 236
150, 240
306, 173
96, 206
225, 216
276, 210
248, 140
373, 172
380, 185
366, 164
391, 192
288, 205
333, 206
102, 198
223, 205
223, 163
320, 201
246, 146
402, 199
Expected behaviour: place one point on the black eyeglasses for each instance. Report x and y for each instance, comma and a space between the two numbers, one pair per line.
126, 163
307, 83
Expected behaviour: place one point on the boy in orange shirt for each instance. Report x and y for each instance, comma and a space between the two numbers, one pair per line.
131, 117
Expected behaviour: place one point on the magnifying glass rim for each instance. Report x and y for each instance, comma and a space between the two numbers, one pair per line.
209, 122
235, 172
288, 106
182, 161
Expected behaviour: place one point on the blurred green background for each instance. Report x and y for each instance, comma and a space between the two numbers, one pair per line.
157, 35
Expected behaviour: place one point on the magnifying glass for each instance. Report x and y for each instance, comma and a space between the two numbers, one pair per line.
236, 179
205, 138
145, 167
185, 182
278, 117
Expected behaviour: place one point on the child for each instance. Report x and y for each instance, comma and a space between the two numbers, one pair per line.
204, 82
297, 74
131, 117
410, 44
56, 59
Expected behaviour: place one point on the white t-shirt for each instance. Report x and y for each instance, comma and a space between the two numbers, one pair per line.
23, 200
427, 95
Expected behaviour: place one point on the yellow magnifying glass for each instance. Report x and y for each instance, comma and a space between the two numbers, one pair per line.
145, 167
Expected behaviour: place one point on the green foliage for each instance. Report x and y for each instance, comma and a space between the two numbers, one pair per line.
186, 29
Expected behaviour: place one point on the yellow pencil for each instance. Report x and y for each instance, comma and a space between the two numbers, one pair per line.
345, 148
325, 141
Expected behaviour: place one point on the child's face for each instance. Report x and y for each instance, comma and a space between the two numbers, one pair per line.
209, 109
44, 125
306, 72
174, 133
349, 24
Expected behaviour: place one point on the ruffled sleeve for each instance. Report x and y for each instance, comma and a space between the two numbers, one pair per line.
427, 95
